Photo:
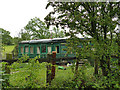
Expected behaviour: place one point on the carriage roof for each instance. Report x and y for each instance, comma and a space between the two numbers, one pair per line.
45, 40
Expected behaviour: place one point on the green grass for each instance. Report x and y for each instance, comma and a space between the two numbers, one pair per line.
20, 76
9, 48
63, 78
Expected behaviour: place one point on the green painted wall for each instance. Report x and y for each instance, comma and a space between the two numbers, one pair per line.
44, 55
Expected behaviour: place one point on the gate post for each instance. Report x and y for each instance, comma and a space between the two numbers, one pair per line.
48, 76
50, 70
53, 64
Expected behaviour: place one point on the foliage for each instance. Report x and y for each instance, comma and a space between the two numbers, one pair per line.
86, 79
5, 73
25, 35
37, 29
57, 33
16, 40
32, 74
83, 16
6, 38
94, 19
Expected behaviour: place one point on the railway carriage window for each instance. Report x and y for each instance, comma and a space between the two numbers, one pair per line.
38, 50
22, 50
26, 49
57, 49
31, 50
43, 47
49, 49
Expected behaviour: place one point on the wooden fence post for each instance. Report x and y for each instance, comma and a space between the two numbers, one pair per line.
51, 72
96, 66
48, 76
53, 64
76, 67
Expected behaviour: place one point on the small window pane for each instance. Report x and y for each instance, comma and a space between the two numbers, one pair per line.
57, 49
43, 48
22, 50
38, 50
26, 49
31, 50
49, 49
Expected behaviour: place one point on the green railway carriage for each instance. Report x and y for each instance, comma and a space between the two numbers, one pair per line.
42, 47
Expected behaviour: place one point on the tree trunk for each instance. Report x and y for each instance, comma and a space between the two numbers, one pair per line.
108, 63
119, 56
102, 64
76, 71
96, 66
76, 67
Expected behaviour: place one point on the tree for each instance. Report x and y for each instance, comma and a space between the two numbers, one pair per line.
24, 35
57, 33
37, 29
118, 42
16, 40
94, 19
6, 38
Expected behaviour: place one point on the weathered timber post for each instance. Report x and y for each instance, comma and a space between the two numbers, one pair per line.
51, 70
96, 66
53, 64
76, 70
76, 67
48, 76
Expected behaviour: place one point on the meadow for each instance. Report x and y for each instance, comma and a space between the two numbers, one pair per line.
7, 49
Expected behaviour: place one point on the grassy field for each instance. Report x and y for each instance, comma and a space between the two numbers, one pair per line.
19, 76
9, 48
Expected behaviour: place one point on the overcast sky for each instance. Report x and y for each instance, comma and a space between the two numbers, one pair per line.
15, 14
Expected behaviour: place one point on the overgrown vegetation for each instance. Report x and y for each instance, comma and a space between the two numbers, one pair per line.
33, 75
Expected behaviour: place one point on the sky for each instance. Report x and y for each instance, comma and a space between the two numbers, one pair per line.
15, 14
